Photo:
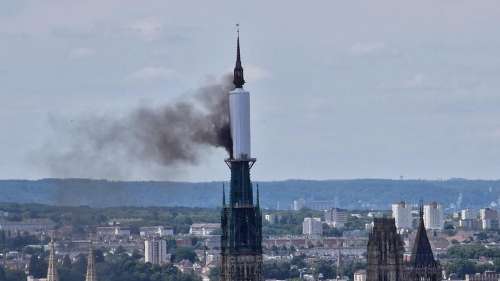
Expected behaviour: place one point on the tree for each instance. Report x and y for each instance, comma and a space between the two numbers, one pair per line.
299, 261
326, 269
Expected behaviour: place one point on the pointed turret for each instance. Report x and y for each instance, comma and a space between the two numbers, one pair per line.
421, 255
238, 79
91, 273
52, 269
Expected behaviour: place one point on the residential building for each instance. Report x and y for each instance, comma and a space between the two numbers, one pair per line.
321, 205
312, 227
401, 212
486, 276
151, 231
488, 214
272, 218
360, 275
489, 224
112, 232
336, 217
489, 218
433, 216
155, 251
31, 226
467, 214
203, 229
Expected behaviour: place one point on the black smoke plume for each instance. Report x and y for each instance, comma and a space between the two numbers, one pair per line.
169, 135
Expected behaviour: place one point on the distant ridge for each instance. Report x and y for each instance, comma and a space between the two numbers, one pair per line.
354, 194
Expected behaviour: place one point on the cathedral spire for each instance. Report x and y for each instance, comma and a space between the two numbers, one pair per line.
91, 273
52, 269
238, 79
422, 255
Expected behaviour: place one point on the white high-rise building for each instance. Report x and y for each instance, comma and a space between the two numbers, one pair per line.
489, 218
401, 212
312, 227
467, 214
155, 251
488, 214
433, 216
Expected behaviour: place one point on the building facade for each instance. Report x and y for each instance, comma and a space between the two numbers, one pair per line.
203, 229
485, 276
489, 218
336, 217
401, 212
312, 227
433, 216
155, 251
241, 220
385, 252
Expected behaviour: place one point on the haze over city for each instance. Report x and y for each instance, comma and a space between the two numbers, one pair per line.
354, 89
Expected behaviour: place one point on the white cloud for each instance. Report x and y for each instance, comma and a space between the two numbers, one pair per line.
152, 73
361, 49
80, 53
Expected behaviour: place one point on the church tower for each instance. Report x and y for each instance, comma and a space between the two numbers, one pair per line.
241, 220
385, 252
52, 269
91, 273
423, 266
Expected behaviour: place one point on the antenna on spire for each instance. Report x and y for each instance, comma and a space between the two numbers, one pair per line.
238, 29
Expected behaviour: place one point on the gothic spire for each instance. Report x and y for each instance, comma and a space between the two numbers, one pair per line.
52, 269
238, 79
91, 273
422, 255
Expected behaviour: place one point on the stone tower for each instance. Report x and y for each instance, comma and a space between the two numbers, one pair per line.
91, 273
423, 266
52, 269
385, 252
241, 220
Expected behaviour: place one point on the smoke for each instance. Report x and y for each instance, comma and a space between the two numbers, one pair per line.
169, 136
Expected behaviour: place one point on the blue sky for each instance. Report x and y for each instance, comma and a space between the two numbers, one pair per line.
340, 89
